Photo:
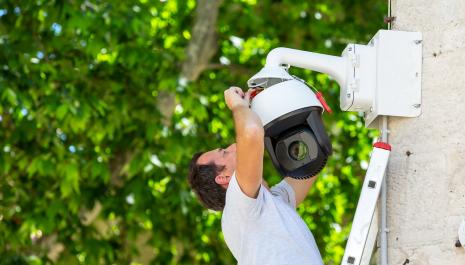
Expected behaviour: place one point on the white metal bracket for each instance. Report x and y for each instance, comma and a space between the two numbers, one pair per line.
397, 87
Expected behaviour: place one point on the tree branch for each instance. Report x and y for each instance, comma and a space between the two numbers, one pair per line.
203, 44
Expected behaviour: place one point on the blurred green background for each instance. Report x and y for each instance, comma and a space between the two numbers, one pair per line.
102, 104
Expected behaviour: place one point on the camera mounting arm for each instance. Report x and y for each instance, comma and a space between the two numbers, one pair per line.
335, 66
345, 69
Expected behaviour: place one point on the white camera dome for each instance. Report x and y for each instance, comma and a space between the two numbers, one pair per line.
282, 98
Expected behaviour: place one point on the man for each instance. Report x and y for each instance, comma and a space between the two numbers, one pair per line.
260, 225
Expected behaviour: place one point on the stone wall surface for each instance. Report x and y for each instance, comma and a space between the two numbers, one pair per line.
426, 173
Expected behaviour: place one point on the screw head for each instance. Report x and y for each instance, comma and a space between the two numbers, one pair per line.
416, 106
417, 41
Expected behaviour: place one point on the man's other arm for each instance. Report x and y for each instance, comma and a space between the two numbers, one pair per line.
301, 187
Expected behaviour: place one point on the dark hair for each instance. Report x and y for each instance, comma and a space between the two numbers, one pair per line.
202, 181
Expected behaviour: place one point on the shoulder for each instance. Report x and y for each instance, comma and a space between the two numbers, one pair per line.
285, 192
238, 201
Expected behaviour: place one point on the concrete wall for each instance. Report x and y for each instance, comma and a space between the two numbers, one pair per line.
426, 174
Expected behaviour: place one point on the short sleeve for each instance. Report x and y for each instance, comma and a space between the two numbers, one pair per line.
285, 192
237, 201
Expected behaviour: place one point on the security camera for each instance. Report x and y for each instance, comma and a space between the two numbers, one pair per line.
291, 114
380, 78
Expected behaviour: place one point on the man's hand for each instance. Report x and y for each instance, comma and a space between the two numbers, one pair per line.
235, 97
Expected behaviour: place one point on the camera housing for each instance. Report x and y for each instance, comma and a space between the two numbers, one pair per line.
295, 137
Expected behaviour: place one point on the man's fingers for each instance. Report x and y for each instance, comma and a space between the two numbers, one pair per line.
250, 91
247, 96
234, 96
237, 90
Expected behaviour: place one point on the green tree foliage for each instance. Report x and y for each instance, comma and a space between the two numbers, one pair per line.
90, 170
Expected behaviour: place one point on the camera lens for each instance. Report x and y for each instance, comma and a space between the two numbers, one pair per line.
298, 150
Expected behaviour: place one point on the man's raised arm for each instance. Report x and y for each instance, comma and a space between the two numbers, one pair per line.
249, 140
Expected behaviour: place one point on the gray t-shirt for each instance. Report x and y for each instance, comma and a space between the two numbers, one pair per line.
267, 230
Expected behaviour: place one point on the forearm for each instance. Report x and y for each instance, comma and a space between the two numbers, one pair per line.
247, 124
250, 148
301, 187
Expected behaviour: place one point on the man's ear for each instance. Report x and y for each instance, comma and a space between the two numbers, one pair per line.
222, 180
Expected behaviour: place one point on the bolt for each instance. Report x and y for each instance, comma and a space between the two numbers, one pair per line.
458, 244
417, 41
389, 19
348, 95
416, 106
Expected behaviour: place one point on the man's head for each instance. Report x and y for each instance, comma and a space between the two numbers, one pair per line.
210, 173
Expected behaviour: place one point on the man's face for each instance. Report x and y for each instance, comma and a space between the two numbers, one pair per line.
221, 157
